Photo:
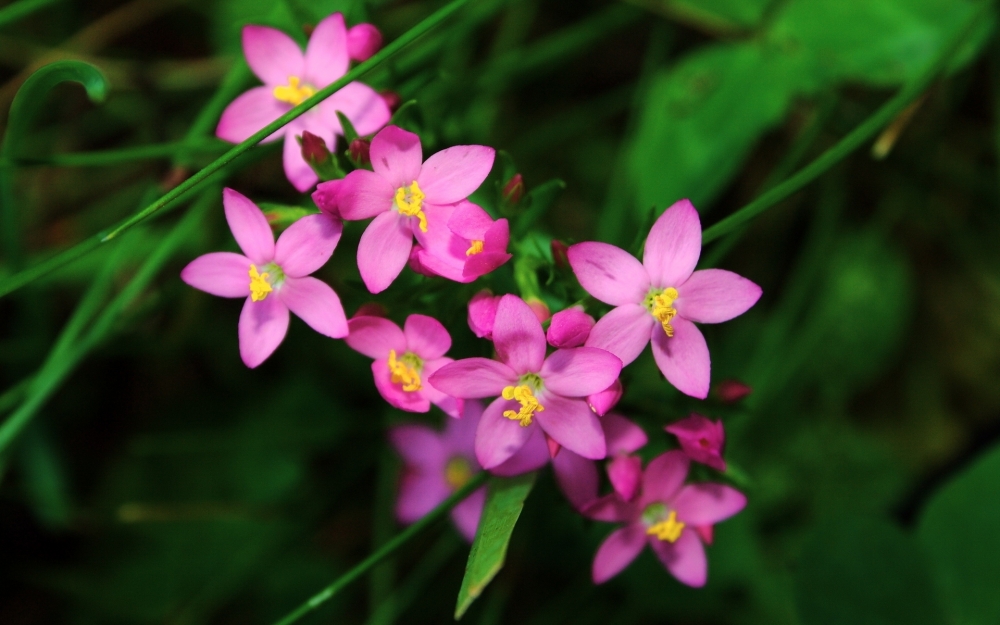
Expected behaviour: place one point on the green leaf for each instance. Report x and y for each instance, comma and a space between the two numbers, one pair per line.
281, 216
958, 530
504, 500
350, 134
538, 202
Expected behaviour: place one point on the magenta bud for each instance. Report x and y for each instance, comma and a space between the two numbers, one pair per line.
326, 197
569, 328
482, 313
560, 254
314, 149
363, 41
732, 391
625, 473
513, 191
538, 307
371, 309
360, 151
391, 99
701, 439
607, 399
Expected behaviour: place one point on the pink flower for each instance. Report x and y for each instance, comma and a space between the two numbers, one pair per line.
701, 439
404, 359
659, 298
436, 465
472, 246
408, 198
273, 277
569, 328
482, 313
363, 40
669, 516
532, 389
291, 77
607, 399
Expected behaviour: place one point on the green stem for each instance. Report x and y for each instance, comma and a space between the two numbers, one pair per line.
857, 137
16, 10
387, 550
124, 155
24, 277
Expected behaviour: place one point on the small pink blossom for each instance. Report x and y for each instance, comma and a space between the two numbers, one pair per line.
436, 464
701, 439
732, 391
657, 300
607, 399
363, 40
273, 277
482, 313
404, 360
472, 246
291, 77
672, 518
569, 328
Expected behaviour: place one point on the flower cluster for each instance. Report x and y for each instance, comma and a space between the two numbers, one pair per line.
547, 394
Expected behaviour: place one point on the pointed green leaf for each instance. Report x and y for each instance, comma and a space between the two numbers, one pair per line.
350, 134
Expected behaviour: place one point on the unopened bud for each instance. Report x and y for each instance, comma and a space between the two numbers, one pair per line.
513, 191
391, 99
560, 254
314, 149
538, 307
363, 41
359, 151
308, 29
371, 309
732, 391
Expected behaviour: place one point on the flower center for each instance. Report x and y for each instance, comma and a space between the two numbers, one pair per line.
406, 370
658, 523
294, 93
477, 247
263, 283
410, 201
457, 472
524, 395
660, 304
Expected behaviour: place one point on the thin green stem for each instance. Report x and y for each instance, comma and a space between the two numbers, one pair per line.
387, 550
24, 277
16, 10
124, 155
856, 138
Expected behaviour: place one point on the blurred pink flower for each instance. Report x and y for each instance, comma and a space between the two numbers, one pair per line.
701, 439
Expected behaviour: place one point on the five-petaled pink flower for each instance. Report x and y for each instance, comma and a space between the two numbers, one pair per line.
659, 298
473, 245
291, 77
408, 197
532, 389
701, 439
273, 277
404, 359
436, 465
669, 516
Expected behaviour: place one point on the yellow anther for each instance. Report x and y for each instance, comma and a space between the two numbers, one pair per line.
669, 530
410, 201
663, 309
477, 246
529, 405
457, 472
404, 373
259, 286
294, 93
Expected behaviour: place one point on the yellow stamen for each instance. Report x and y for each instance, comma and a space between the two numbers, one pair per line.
294, 92
663, 309
477, 247
410, 201
403, 373
457, 472
259, 286
669, 530
529, 405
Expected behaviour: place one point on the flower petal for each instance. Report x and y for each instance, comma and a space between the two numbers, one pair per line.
419, 446
603, 401
262, 327
419, 493
359, 103
577, 478
572, 424
220, 273
664, 476
518, 336
375, 337
451, 406
454, 173
685, 559
612, 509
715, 295
327, 198
482, 264
580, 371
272, 55
297, 170
307, 244
708, 503
326, 54
363, 194
683, 359
316, 303
473, 378
442, 251
610, 274
249, 227
532, 456
467, 513
483, 313
673, 245
622, 435
624, 332
392, 392
426, 337
470, 221
618, 551
383, 250
250, 112
396, 156
363, 40
460, 434
498, 438
625, 474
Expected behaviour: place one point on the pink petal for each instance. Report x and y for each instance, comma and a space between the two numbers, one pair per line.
624, 332
623, 436
473, 378
297, 170
530, 457
426, 337
326, 55
375, 337
483, 313
715, 295
572, 424
685, 559
673, 245
625, 473
580, 371
610, 274
262, 327
396, 157
315, 302
363, 40
482, 264
392, 392
577, 478
249, 227
470, 221
383, 250
708, 503
250, 112
683, 359
603, 401
364, 194
419, 446
569, 328
419, 493
498, 438
701, 439
664, 477
460, 434
618, 551
497, 237
307, 244
443, 252
613, 509
466, 514
454, 173
361, 104
518, 336
220, 273
327, 198
451, 406
272, 55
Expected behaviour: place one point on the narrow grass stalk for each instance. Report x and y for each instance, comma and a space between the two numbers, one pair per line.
22, 8
124, 155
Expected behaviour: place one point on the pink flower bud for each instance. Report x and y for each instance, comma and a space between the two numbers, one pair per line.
360, 151
625, 473
314, 149
559, 256
607, 399
538, 307
513, 191
372, 309
731, 391
569, 328
482, 313
391, 99
363, 41
701, 439
326, 198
